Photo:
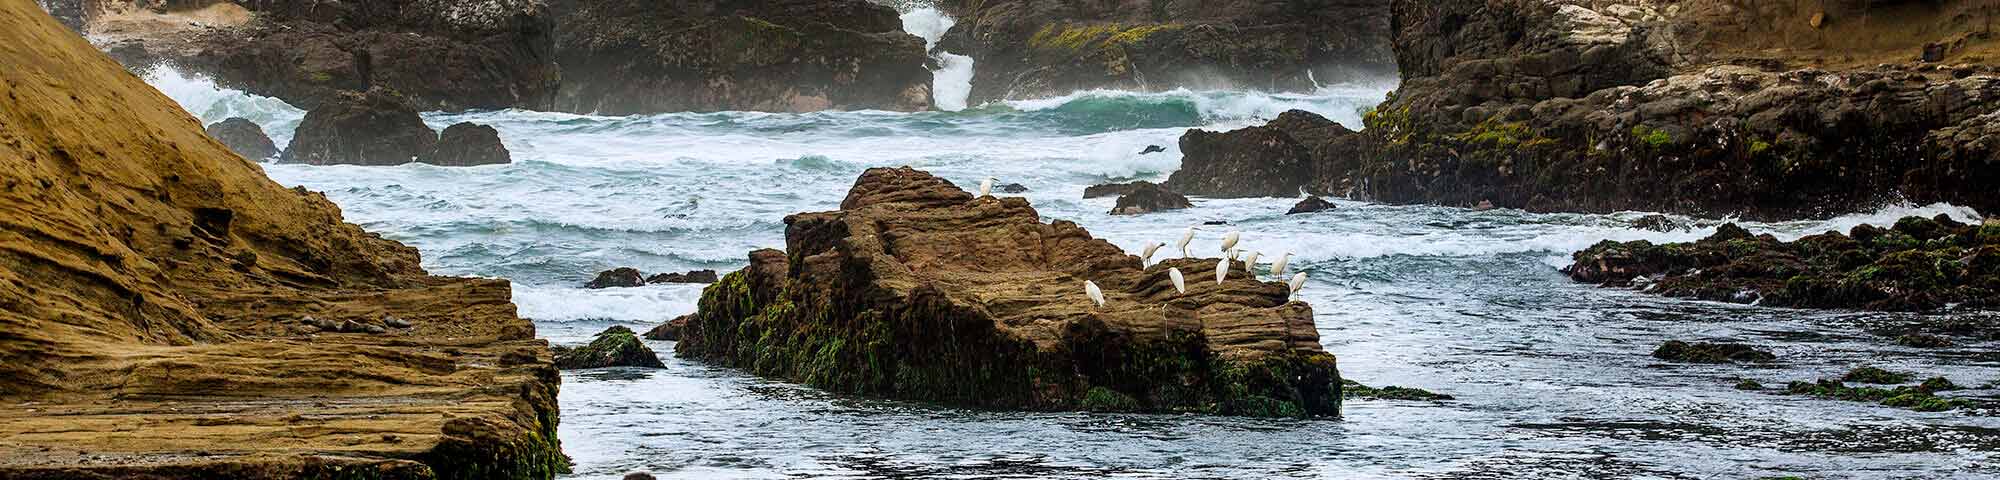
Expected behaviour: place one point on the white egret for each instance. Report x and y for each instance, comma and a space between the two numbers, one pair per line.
1146, 256
1298, 282
1185, 238
986, 186
1180, 283
1278, 267
1229, 241
1096, 294
1221, 270
1250, 264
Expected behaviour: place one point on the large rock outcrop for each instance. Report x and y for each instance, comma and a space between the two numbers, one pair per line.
377, 127
1705, 107
636, 56
243, 137
1038, 48
914, 289
152, 286
467, 144
445, 55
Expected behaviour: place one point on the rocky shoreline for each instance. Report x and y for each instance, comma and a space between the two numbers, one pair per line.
916, 290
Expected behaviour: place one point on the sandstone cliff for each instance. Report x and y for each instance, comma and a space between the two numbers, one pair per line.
154, 296
914, 289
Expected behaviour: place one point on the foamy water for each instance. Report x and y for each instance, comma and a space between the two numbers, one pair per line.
1553, 377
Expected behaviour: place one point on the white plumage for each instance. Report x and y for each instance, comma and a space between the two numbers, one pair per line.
1180, 283
1298, 282
1096, 294
1146, 256
1221, 270
1250, 264
986, 186
1229, 241
1278, 267
1185, 238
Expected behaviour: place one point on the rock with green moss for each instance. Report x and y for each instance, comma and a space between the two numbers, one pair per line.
1704, 352
916, 290
614, 347
1921, 264
1352, 389
1874, 375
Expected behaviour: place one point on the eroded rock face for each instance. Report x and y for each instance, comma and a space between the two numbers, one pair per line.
614, 347
914, 289
635, 56
1038, 49
443, 55
1921, 264
467, 144
151, 273
243, 137
378, 127
1279, 159
1146, 197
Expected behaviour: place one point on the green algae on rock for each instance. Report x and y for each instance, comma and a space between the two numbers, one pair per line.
1704, 352
1922, 264
916, 290
614, 347
1352, 389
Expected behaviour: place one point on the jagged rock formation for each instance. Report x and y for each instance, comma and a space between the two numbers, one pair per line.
914, 289
1034, 49
444, 55
1921, 264
1708, 107
243, 137
1146, 197
692, 276
150, 287
616, 278
634, 56
614, 347
467, 144
378, 127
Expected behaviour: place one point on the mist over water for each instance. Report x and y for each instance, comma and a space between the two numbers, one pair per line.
1552, 377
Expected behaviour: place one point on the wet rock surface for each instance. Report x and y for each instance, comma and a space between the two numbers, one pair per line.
1704, 352
916, 290
632, 56
153, 274
671, 330
1147, 197
1310, 205
614, 347
696, 276
1921, 264
467, 144
377, 127
243, 137
617, 277
1111, 189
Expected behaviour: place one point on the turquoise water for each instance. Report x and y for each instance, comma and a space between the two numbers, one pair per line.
1553, 378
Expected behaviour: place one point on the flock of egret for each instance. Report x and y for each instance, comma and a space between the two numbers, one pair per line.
1230, 256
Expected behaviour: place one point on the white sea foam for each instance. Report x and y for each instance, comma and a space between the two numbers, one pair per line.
648, 304
951, 82
210, 103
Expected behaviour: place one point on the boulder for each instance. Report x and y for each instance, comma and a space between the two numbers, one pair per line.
378, 127
916, 290
614, 347
1013, 188
670, 330
1704, 352
243, 137
466, 144
638, 56
617, 277
1111, 189
1250, 162
1310, 205
1145, 197
696, 276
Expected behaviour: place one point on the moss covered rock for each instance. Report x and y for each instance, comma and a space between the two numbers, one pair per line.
614, 347
1704, 352
916, 290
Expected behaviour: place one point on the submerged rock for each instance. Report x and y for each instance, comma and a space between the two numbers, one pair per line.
1921, 264
466, 144
614, 347
377, 127
916, 290
1012, 188
697, 276
1352, 389
1923, 340
1660, 223
1145, 197
1310, 205
1704, 352
1921, 397
243, 137
617, 277
1878, 376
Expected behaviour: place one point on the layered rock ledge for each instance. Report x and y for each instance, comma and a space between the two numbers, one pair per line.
916, 290
152, 287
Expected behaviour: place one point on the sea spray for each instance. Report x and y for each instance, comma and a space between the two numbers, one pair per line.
951, 82
211, 103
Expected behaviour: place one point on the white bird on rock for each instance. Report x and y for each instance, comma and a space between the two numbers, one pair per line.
1180, 283
1250, 264
1278, 267
1096, 294
986, 186
1146, 256
1221, 270
1229, 241
1185, 238
1298, 282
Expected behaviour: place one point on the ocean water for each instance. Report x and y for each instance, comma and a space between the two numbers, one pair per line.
1552, 378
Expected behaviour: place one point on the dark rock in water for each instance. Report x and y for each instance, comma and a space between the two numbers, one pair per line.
1310, 205
378, 127
670, 330
639, 476
1110, 189
641, 56
1870, 268
1215, 222
614, 347
243, 137
1748, 384
1352, 389
467, 144
890, 298
1660, 223
1013, 188
1923, 340
1878, 376
1261, 161
1152, 149
1919, 397
1703, 352
1145, 197
697, 276
617, 277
